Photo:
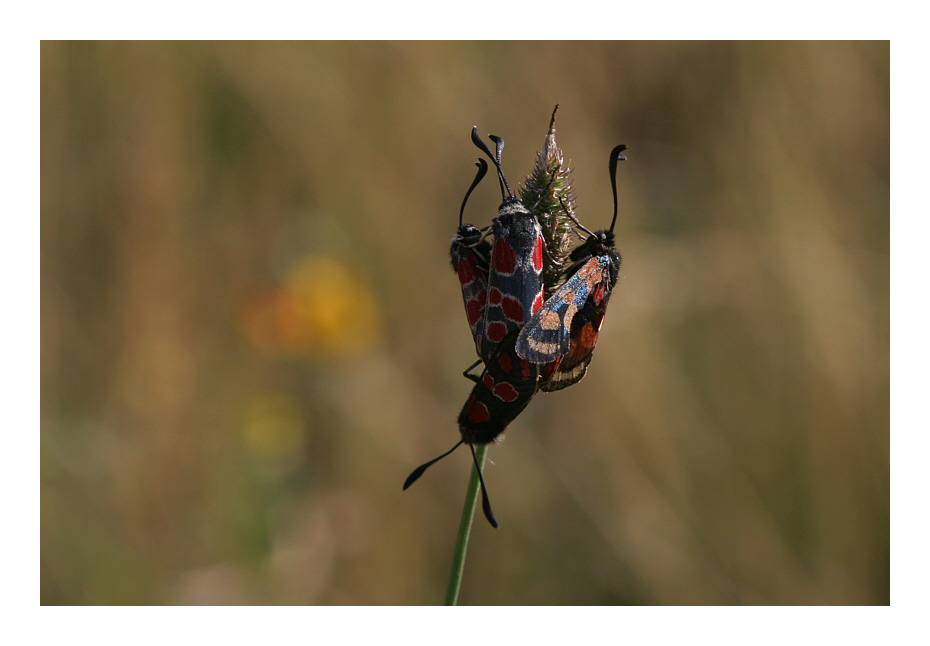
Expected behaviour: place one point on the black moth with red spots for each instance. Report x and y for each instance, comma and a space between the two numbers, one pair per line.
526, 343
514, 292
470, 254
503, 390
563, 333
515, 286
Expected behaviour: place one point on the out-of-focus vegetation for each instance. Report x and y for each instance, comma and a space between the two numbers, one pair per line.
251, 333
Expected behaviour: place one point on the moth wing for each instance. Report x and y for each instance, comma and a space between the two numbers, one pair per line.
471, 266
547, 335
500, 394
515, 286
574, 364
565, 377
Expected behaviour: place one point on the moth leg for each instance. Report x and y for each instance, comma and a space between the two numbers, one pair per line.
486, 260
467, 373
485, 232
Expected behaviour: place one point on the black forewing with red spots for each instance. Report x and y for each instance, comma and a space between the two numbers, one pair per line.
503, 390
515, 283
470, 254
515, 286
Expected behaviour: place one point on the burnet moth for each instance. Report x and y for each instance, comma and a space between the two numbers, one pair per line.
470, 254
515, 284
564, 331
504, 389
514, 293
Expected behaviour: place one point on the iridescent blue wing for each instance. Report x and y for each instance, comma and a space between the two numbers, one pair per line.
548, 334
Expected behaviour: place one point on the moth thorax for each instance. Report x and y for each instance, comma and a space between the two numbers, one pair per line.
511, 207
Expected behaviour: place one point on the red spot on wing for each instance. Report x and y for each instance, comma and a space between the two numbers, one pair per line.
513, 310
549, 369
466, 270
478, 412
496, 331
583, 342
538, 254
503, 257
494, 296
505, 392
473, 310
505, 362
488, 381
538, 302
588, 336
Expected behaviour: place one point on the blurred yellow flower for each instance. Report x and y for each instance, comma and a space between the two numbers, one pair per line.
324, 308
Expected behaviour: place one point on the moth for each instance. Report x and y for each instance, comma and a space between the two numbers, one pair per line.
470, 254
507, 289
515, 283
565, 329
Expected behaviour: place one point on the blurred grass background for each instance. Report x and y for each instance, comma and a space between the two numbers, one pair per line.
251, 333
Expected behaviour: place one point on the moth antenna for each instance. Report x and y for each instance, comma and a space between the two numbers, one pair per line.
482, 171
615, 156
575, 220
494, 158
485, 503
423, 467
499, 142
475, 139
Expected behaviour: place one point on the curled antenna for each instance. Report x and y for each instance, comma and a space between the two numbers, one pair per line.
482, 171
485, 501
615, 156
413, 477
494, 158
499, 142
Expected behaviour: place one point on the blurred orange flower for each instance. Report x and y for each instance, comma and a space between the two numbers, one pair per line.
324, 307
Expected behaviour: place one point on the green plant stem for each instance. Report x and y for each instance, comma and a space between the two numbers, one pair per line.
468, 515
